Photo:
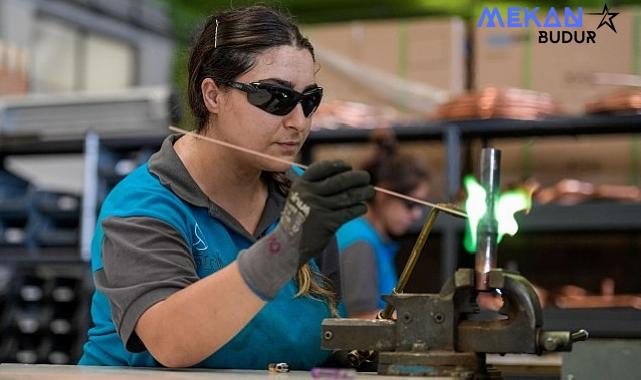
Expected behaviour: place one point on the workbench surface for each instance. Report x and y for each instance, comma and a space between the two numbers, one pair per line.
549, 364
72, 372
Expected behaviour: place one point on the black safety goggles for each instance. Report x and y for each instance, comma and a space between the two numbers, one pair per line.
411, 205
279, 100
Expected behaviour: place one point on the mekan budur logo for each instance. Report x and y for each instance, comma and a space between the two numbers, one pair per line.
519, 17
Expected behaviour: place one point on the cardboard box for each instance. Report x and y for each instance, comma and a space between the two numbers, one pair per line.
428, 51
424, 51
599, 160
514, 57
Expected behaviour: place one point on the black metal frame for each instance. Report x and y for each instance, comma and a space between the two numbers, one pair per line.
453, 134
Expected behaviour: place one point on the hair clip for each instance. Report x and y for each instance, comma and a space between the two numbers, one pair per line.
216, 35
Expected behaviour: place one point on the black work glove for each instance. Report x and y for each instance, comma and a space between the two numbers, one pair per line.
326, 196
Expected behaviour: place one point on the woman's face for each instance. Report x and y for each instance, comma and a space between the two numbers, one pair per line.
399, 214
246, 125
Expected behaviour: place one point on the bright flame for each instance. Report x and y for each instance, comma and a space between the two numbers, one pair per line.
475, 208
507, 205
510, 203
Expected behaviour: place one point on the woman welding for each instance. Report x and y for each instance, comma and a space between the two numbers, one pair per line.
208, 256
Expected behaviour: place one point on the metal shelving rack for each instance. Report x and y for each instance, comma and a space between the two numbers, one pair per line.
94, 150
454, 135
66, 260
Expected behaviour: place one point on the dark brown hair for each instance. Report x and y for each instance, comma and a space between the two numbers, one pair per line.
392, 169
243, 34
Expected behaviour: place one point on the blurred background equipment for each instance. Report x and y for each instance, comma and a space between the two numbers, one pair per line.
335, 114
492, 102
90, 45
68, 67
625, 101
13, 70
132, 110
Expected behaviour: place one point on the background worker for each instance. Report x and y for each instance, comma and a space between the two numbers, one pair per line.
367, 243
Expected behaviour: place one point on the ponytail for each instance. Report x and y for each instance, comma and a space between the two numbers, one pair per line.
389, 167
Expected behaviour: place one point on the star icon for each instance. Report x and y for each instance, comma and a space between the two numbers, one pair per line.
606, 15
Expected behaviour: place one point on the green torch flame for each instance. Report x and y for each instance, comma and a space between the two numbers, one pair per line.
475, 207
508, 204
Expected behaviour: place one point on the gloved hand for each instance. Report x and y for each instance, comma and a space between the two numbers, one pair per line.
326, 196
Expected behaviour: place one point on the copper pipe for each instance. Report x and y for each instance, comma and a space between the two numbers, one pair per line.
487, 230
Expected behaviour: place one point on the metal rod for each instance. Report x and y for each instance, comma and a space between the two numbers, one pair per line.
445, 208
411, 262
487, 230
453, 164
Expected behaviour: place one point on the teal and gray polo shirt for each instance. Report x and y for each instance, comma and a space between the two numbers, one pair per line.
367, 265
158, 233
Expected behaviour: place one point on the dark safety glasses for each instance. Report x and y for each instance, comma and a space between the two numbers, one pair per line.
279, 100
411, 205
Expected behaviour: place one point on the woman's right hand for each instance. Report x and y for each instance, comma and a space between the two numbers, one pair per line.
326, 196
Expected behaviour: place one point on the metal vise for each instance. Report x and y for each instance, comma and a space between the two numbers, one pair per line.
434, 336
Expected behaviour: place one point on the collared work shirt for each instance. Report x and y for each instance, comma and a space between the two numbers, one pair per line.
367, 266
158, 233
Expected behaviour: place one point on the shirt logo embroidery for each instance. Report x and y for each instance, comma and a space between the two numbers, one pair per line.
200, 244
